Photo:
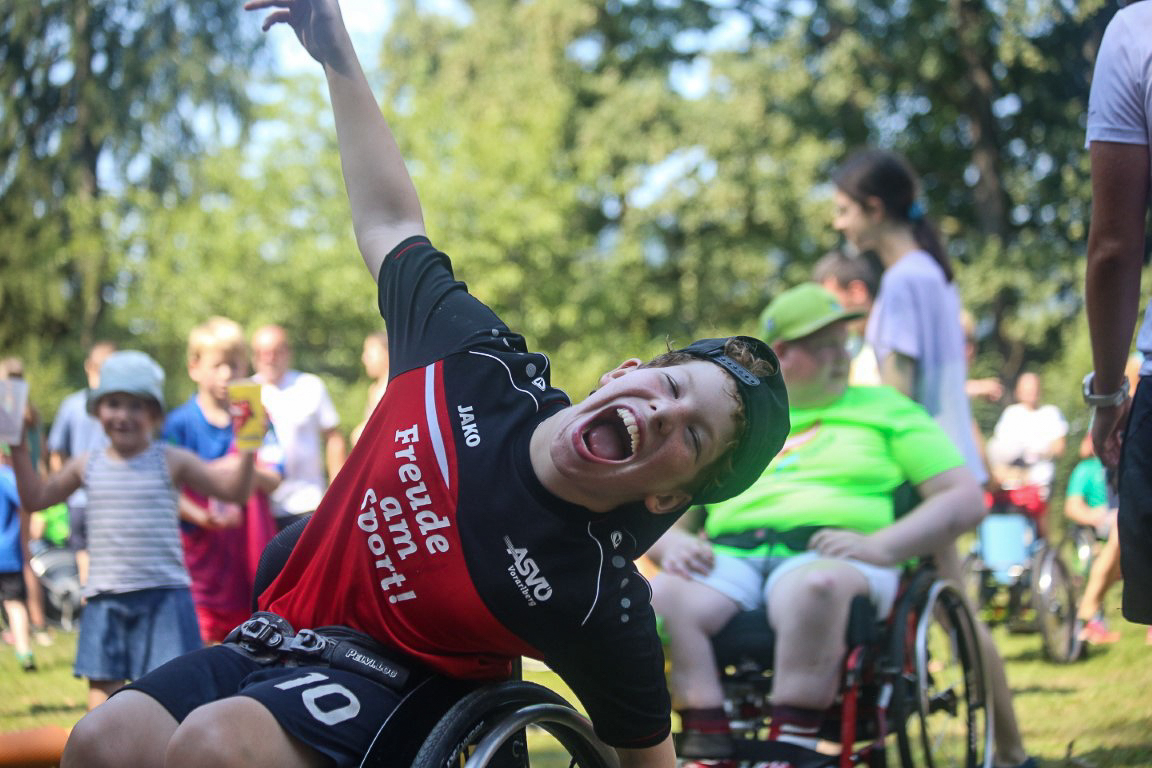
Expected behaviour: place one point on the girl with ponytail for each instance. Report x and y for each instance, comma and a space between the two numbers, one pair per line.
916, 331
914, 325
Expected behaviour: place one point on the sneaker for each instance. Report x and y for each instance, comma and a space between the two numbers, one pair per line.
1096, 633
42, 637
27, 661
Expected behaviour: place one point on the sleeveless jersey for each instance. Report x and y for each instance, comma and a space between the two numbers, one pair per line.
133, 524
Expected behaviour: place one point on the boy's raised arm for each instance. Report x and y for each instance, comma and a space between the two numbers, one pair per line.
385, 207
227, 479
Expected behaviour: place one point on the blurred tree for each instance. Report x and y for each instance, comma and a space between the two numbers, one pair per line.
608, 174
987, 101
662, 168
99, 97
266, 239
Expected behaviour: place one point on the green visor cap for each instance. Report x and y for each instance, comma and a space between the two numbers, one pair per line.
801, 310
765, 411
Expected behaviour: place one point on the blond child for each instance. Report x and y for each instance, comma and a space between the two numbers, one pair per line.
222, 541
139, 611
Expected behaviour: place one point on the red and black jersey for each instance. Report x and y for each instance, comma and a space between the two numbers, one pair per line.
436, 537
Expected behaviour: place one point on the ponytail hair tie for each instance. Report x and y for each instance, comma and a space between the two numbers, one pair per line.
915, 212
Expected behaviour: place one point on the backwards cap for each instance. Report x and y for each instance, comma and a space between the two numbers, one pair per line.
766, 415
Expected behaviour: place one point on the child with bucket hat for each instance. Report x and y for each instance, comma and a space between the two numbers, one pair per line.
139, 611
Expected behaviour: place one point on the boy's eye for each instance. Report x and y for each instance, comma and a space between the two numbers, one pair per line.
672, 385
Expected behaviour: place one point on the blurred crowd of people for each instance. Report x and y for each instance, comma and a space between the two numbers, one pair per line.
218, 540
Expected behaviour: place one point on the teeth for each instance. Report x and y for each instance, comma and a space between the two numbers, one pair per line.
629, 424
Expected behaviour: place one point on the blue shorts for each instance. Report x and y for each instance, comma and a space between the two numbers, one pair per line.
123, 636
333, 711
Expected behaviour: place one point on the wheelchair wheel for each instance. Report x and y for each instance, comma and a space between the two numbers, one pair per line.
1055, 600
942, 712
1078, 549
973, 580
487, 728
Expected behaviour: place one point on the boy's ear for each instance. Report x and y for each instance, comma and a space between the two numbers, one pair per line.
630, 364
667, 503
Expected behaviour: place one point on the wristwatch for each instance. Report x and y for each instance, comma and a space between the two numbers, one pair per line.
1104, 401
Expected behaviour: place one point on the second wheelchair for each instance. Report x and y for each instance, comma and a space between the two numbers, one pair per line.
913, 691
1017, 579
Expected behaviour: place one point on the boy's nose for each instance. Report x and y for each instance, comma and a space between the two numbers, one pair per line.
665, 413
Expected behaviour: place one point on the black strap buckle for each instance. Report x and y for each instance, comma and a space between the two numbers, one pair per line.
263, 633
270, 638
307, 643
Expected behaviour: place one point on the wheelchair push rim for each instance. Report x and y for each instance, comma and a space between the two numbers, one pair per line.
488, 728
943, 712
1055, 601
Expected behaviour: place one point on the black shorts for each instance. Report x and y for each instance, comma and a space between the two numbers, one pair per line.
336, 712
1135, 518
12, 586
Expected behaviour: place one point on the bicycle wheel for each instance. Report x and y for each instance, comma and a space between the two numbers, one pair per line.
1055, 598
487, 728
945, 722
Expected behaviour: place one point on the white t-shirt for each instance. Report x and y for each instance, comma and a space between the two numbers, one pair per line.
1120, 103
301, 412
917, 314
1023, 436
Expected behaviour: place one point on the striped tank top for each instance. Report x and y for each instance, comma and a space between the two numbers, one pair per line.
133, 524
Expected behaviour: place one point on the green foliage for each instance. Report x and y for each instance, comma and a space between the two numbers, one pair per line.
608, 176
99, 100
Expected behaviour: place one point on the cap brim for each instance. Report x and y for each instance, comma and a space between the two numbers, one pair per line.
820, 323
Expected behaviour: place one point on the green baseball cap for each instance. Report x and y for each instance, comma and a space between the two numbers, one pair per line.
799, 311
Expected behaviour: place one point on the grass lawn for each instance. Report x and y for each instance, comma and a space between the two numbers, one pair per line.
1096, 713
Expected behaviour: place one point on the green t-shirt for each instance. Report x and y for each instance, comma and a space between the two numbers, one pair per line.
839, 468
1088, 481
56, 524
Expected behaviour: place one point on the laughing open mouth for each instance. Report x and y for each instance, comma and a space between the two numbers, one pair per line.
614, 436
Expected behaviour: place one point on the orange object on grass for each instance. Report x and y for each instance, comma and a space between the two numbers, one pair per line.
33, 748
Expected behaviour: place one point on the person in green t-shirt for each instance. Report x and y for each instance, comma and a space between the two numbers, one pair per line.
818, 528
1088, 501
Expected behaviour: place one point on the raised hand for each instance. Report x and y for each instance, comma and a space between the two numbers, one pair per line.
317, 23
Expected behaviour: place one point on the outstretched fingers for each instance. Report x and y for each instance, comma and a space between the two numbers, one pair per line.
282, 16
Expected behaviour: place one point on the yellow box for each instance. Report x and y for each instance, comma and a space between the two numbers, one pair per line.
248, 421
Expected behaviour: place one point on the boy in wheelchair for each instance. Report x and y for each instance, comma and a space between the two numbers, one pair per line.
481, 517
816, 530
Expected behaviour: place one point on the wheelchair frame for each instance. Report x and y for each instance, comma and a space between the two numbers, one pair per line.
915, 682
1039, 582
